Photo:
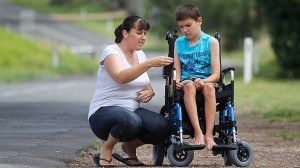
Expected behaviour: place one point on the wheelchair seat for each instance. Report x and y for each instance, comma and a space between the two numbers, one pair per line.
222, 94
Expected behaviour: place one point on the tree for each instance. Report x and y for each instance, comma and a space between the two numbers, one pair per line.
282, 17
234, 19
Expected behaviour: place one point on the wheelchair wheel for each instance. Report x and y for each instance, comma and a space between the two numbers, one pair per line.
180, 157
226, 158
242, 157
159, 153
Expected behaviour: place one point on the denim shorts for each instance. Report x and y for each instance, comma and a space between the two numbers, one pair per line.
125, 125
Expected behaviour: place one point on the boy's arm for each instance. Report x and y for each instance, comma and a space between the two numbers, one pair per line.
215, 62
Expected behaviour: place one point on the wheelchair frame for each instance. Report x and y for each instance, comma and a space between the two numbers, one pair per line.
180, 153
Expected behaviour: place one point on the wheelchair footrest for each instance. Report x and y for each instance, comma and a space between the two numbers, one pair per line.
191, 147
218, 149
230, 146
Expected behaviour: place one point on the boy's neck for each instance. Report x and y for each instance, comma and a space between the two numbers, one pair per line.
195, 39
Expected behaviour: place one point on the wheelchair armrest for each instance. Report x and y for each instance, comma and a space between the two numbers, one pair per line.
227, 70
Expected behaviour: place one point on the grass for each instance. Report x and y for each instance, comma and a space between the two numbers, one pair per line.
287, 135
96, 144
24, 59
277, 100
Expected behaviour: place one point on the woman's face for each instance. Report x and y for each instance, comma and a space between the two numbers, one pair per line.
136, 38
190, 27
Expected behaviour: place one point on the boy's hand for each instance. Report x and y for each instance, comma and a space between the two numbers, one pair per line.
179, 85
199, 84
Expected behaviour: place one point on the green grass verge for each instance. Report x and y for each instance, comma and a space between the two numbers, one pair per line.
24, 59
287, 135
276, 100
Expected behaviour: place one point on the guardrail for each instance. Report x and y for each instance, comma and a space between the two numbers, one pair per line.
89, 16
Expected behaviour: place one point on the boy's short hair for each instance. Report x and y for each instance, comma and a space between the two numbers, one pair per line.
187, 11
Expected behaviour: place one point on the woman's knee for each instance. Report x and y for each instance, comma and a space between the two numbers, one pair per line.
155, 126
127, 126
121, 123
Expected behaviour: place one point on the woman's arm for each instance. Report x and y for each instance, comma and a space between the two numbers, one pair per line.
116, 70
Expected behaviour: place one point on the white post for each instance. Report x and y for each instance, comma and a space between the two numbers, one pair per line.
248, 54
256, 58
55, 59
109, 25
83, 14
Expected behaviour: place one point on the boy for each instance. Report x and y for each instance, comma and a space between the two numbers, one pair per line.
196, 59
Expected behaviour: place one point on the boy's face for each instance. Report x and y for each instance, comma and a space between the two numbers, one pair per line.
190, 27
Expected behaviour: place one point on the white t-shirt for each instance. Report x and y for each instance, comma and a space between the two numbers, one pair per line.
109, 92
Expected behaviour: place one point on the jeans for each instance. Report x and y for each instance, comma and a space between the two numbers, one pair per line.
125, 125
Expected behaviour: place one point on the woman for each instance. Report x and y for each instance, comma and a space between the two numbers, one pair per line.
115, 114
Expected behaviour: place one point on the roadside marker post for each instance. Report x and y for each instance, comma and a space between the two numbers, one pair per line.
248, 56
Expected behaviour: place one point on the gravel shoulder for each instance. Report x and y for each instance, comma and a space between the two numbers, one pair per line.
270, 149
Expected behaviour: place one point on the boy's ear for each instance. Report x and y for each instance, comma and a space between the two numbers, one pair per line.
199, 20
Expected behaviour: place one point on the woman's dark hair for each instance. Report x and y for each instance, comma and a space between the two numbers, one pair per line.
128, 24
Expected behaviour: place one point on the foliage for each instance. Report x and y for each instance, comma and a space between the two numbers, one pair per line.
284, 25
235, 19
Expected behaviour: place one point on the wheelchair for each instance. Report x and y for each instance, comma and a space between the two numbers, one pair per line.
181, 153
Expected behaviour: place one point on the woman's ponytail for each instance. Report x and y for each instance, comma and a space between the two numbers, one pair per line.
118, 34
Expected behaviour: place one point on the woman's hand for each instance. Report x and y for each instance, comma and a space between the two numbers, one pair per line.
160, 61
146, 95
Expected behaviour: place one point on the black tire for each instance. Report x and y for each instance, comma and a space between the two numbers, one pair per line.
159, 153
226, 158
180, 158
242, 157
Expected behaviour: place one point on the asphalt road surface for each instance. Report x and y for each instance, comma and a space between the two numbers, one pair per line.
43, 123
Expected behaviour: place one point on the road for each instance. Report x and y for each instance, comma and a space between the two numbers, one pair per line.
43, 27
43, 123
